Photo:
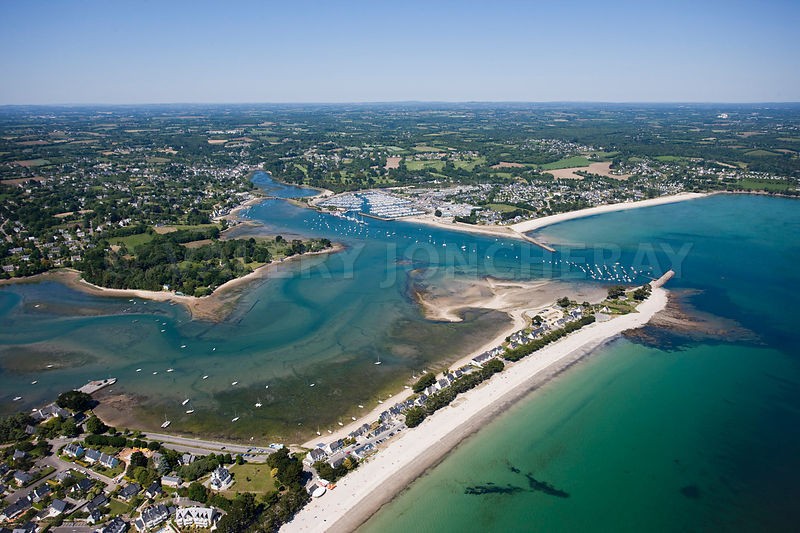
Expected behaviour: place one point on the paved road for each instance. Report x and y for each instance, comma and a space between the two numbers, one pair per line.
201, 446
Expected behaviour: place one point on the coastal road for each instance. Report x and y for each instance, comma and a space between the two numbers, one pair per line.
203, 447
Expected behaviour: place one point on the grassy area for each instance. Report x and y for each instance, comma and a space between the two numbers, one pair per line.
419, 165
760, 185
569, 162
761, 153
603, 155
252, 477
426, 148
132, 241
117, 507
502, 208
470, 164
169, 229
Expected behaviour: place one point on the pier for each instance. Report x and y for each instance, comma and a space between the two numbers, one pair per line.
94, 386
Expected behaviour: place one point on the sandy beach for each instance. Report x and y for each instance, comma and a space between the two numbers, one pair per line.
538, 223
360, 494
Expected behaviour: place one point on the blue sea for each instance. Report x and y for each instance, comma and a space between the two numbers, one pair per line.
670, 429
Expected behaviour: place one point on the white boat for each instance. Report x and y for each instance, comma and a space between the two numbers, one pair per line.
234, 419
138, 369
205, 377
214, 349
155, 372
234, 383
170, 370
353, 418
34, 382
166, 422
185, 401
17, 398
266, 387
340, 423
312, 384
183, 346
258, 403
189, 411
360, 406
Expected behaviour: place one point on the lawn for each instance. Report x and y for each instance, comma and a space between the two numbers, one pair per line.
169, 229
761, 153
132, 241
569, 162
117, 507
758, 185
470, 164
425, 148
415, 166
502, 208
260, 480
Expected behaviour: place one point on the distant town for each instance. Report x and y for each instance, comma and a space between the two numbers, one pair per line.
72, 179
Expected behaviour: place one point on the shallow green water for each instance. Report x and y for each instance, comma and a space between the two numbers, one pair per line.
678, 434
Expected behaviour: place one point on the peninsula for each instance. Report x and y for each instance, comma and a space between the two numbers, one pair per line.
411, 452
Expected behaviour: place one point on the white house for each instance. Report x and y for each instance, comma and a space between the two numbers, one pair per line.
195, 517
221, 479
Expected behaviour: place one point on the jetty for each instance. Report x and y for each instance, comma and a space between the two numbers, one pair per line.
94, 386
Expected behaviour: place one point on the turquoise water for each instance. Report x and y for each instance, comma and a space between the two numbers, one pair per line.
677, 432
320, 321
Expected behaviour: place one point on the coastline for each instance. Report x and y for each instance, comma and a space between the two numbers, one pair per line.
538, 223
406, 457
211, 307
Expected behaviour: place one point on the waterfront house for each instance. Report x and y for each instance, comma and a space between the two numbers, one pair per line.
50, 411
221, 479
202, 517
317, 454
334, 446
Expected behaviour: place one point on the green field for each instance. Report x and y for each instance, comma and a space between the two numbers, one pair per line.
470, 164
569, 162
426, 148
261, 482
502, 208
760, 185
132, 241
429, 165
761, 153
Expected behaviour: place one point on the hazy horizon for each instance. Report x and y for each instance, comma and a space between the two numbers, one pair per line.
135, 53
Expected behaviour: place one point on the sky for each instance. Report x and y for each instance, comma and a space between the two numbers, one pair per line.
131, 52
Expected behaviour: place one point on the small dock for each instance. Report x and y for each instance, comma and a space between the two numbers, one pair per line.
94, 386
